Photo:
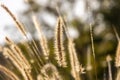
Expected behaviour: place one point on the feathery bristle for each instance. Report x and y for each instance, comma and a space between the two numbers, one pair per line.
93, 48
20, 26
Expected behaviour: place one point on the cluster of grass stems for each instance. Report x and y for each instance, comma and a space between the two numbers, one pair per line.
40, 62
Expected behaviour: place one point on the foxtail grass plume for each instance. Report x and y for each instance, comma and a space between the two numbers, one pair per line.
9, 54
59, 48
18, 59
20, 65
19, 25
43, 40
76, 68
19, 55
46, 70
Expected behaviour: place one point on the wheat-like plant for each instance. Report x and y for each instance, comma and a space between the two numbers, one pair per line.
45, 69
8, 73
43, 41
37, 65
59, 48
75, 65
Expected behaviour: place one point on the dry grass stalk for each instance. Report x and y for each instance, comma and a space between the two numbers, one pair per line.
18, 23
22, 63
93, 48
26, 66
64, 21
36, 53
34, 50
18, 63
27, 75
116, 33
32, 56
18, 59
20, 26
108, 59
43, 40
89, 64
117, 59
76, 68
92, 41
9, 73
59, 49
20, 56
8, 53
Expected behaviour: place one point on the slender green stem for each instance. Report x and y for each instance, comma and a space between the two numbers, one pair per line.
93, 49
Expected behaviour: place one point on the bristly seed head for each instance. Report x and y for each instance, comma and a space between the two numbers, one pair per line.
59, 48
